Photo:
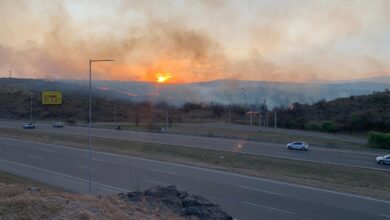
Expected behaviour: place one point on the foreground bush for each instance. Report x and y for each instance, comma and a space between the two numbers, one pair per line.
379, 140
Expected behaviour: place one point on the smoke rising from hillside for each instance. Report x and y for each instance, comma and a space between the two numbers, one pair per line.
195, 40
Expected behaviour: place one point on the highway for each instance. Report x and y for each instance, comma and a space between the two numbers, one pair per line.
242, 196
354, 158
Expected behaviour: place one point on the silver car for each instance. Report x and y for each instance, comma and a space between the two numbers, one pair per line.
298, 146
29, 125
383, 159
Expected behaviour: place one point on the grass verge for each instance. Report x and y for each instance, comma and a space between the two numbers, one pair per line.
254, 135
347, 179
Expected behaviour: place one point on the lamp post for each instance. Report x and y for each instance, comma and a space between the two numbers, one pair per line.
90, 123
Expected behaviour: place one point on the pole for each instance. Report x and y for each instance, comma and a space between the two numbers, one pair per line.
90, 125
10, 74
90, 132
246, 106
251, 115
31, 108
166, 120
275, 118
114, 113
230, 117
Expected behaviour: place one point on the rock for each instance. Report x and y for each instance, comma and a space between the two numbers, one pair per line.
131, 196
196, 201
178, 202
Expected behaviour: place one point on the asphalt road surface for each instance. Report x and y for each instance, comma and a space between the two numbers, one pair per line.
354, 158
242, 196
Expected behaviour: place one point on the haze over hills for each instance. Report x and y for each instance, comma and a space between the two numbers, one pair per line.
219, 91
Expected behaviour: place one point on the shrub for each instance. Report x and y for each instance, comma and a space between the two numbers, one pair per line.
328, 126
379, 140
312, 126
71, 121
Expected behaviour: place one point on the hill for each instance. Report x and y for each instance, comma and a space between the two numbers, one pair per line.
220, 91
355, 113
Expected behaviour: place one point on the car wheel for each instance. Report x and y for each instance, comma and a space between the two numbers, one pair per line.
381, 162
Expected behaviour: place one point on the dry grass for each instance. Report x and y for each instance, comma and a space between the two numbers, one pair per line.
19, 200
263, 136
356, 180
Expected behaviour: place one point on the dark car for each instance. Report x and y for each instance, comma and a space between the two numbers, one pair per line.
58, 125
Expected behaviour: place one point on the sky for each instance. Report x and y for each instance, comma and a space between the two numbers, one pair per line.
189, 41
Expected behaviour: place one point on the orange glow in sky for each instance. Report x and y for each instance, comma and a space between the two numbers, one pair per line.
163, 77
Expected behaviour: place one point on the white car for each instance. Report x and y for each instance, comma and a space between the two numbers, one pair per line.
383, 159
29, 125
298, 146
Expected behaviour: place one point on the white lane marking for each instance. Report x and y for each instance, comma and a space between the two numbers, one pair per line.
164, 172
222, 199
160, 183
34, 156
8, 144
259, 190
211, 171
85, 167
384, 215
100, 160
50, 151
270, 208
361, 161
64, 175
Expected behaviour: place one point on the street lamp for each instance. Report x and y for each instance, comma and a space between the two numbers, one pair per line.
90, 123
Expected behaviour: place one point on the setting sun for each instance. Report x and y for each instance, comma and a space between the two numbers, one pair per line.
163, 77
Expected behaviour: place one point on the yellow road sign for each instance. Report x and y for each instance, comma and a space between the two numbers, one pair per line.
51, 97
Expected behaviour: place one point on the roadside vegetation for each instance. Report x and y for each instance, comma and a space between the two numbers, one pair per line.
347, 179
379, 140
356, 114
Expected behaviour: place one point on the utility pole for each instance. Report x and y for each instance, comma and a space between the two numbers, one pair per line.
114, 113
229, 115
166, 120
276, 120
10, 74
251, 115
246, 106
31, 108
